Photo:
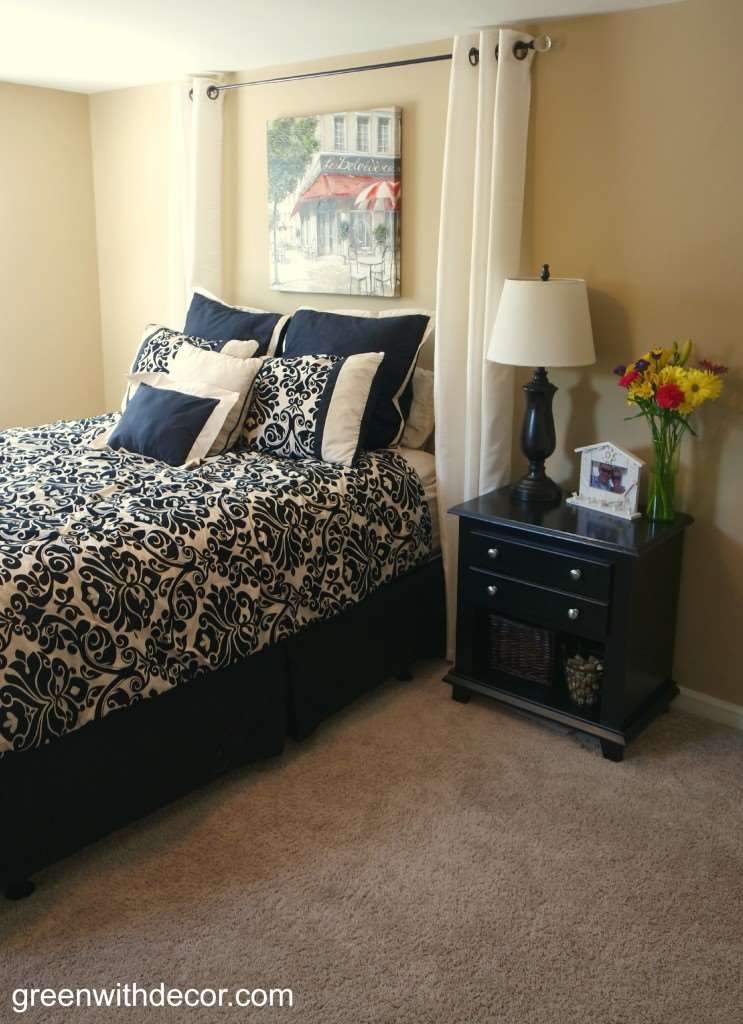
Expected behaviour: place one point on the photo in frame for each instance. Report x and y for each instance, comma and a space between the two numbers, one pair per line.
609, 480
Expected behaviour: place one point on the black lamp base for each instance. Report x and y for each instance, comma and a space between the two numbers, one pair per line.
544, 491
538, 442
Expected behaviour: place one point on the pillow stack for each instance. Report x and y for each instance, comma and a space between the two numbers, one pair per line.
343, 382
193, 410
160, 345
399, 337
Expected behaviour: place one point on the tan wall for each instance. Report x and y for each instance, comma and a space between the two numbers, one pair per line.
130, 131
50, 338
636, 184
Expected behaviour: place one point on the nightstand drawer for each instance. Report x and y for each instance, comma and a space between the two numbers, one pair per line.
538, 565
549, 608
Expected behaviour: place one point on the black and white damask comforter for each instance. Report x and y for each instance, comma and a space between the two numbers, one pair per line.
121, 576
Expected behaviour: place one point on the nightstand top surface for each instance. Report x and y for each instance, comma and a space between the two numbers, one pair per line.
570, 523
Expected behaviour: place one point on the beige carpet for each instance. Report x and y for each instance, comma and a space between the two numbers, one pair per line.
420, 860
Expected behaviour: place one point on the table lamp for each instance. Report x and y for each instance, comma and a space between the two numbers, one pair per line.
541, 323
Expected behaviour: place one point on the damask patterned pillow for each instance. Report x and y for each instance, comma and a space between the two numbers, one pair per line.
312, 407
160, 344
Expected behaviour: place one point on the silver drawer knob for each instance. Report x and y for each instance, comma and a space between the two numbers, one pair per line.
576, 574
573, 613
493, 552
492, 590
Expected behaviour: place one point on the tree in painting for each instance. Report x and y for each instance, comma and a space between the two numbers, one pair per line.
292, 141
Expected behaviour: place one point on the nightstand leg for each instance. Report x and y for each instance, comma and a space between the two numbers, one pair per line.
460, 694
612, 751
19, 889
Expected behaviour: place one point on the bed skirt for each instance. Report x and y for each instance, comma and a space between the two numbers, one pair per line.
59, 797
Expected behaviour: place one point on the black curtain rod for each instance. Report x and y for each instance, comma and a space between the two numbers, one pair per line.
520, 50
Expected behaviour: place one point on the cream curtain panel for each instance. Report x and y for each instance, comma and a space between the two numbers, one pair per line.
479, 246
195, 213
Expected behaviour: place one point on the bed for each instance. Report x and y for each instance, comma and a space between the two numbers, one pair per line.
161, 625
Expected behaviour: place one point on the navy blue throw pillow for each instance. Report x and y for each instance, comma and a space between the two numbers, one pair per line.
162, 424
207, 318
311, 332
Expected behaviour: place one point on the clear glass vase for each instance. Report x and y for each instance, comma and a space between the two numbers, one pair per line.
661, 507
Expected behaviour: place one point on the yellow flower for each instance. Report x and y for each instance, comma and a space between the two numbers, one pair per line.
672, 375
700, 386
641, 389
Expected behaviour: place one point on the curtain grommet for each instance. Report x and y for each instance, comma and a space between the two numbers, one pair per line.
474, 56
521, 49
212, 91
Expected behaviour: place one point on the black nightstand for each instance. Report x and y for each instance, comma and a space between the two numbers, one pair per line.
567, 581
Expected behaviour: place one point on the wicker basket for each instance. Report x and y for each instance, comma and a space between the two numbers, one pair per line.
520, 650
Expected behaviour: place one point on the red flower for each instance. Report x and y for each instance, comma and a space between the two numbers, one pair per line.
717, 368
628, 378
669, 396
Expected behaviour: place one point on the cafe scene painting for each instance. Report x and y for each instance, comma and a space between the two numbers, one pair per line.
334, 203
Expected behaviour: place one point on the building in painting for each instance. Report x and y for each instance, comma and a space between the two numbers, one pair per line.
357, 150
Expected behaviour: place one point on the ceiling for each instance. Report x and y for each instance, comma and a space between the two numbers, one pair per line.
90, 45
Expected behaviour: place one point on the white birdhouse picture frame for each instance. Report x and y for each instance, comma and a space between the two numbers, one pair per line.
609, 480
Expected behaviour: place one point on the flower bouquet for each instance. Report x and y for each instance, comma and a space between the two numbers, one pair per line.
667, 390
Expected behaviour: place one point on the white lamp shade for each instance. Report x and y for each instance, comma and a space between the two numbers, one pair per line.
543, 323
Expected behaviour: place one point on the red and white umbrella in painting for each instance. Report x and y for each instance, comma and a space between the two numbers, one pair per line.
386, 193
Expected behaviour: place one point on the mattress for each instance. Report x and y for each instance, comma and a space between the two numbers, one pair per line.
121, 577
424, 465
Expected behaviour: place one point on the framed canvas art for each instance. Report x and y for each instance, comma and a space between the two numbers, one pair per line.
334, 193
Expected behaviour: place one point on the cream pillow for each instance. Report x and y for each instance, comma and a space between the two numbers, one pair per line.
420, 421
222, 370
